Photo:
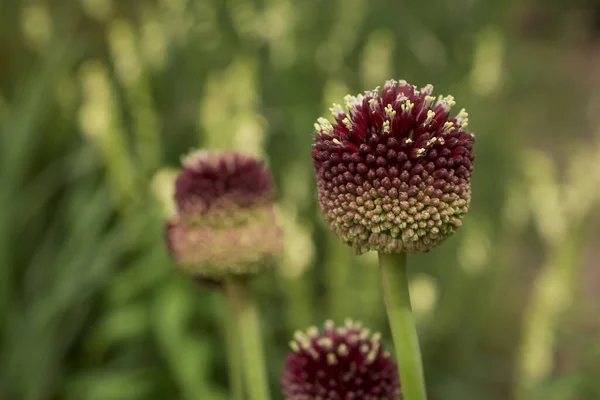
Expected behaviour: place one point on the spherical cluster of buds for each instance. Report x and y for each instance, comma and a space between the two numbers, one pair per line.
394, 169
226, 222
345, 363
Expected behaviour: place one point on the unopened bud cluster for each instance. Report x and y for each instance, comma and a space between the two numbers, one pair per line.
394, 169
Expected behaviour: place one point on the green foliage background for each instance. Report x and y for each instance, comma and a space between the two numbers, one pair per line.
99, 98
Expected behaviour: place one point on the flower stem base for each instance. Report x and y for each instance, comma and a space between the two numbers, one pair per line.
404, 332
248, 333
234, 355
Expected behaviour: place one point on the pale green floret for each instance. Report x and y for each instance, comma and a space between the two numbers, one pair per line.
300, 336
372, 93
336, 110
462, 118
325, 343
342, 350
408, 106
294, 346
331, 359
386, 126
428, 89
430, 116
448, 102
448, 127
364, 348
389, 111
372, 355
313, 331
392, 83
323, 126
353, 101
347, 123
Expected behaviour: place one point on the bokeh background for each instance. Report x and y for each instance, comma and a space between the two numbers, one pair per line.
99, 99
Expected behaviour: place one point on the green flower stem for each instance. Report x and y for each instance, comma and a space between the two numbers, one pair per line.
248, 328
404, 331
234, 356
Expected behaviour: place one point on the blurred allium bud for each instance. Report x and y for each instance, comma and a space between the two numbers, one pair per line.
339, 364
226, 222
394, 169
207, 281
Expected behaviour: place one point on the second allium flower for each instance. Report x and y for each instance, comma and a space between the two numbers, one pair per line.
394, 169
225, 225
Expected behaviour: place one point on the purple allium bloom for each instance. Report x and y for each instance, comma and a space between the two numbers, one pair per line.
226, 222
345, 363
394, 169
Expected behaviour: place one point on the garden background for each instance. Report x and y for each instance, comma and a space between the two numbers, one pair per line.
100, 98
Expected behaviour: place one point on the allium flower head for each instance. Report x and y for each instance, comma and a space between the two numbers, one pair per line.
226, 222
394, 169
339, 364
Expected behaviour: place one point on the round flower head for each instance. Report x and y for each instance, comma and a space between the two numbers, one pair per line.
394, 169
226, 222
339, 364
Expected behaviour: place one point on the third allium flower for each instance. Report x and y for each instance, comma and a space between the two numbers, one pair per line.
394, 169
339, 363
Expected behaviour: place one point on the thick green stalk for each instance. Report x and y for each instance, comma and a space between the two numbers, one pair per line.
248, 329
404, 331
234, 354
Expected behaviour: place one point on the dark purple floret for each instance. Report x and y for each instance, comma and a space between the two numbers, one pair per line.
345, 363
208, 178
394, 169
